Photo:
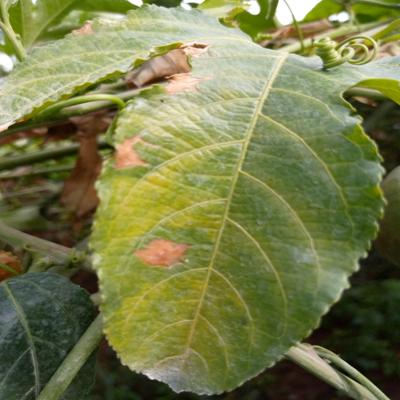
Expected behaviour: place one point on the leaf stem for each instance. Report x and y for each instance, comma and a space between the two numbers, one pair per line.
341, 31
335, 360
6, 27
50, 250
55, 108
365, 92
74, 361
42, 155
307, 357
65, 113
377, 3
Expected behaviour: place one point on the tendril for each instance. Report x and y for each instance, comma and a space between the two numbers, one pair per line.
355, 50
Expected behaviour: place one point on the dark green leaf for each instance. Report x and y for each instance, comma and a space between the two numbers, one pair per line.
42, 316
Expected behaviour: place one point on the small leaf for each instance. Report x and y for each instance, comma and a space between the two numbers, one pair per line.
388, 242
42, 316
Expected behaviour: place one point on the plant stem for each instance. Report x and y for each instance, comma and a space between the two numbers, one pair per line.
39, 171
74, 361
378, 3
65, 113
42, 155
89, 98
341, 31
19, 239
306, 357
335, 360
365, 92
9, 32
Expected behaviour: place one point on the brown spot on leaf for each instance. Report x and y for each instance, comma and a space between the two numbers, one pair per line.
183, 82
86, 29
162, 252
194, 49
9, 261
126, 156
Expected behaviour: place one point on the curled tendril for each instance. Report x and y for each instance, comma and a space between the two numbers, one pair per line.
355, 50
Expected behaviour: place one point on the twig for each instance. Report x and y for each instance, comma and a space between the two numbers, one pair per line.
74, 361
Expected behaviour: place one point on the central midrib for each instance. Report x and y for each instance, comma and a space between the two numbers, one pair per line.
264, 95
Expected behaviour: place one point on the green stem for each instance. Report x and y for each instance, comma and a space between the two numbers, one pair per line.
38, 171
9, 32
335, 360
297, 26
74, 361
43, 155
341, 31
306, 357
18, 239
377, 3
55, 108
365, 92
64, 114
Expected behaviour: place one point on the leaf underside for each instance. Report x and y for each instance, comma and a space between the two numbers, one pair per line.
42, 316
256, 194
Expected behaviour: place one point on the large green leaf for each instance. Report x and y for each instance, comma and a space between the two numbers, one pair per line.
42, 316
59, 69
234, 213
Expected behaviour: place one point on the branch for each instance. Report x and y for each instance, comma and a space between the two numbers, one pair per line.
74, 361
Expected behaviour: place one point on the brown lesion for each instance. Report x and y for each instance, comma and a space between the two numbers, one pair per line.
161, 252
86, 29
126, 155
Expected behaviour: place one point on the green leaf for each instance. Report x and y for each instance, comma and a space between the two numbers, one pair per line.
324, 9
111, 6
254, 25
31, 20
59, 69
246, 206
223, 8
388, 242
42, 316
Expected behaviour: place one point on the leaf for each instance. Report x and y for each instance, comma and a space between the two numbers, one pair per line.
42, 316
31, 20
388, 241
251, 197
60, 69
254, 25
324, 9
223, 8
79, 194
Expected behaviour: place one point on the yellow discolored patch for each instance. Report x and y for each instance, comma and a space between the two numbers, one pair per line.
162, 252
126, 156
